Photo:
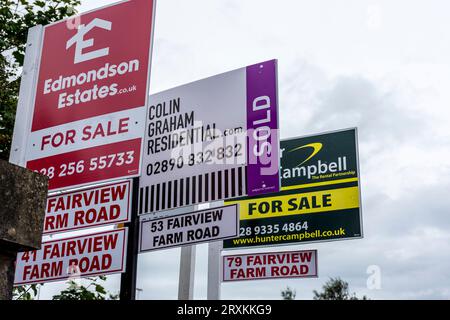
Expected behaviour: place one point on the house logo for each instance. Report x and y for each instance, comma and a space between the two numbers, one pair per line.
80, 43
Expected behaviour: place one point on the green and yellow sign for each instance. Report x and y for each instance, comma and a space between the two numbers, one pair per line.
319, 199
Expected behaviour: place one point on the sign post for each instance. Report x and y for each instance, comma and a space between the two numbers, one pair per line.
214, 270
26, 96
214, 265
187, 273
186, 276
129, 277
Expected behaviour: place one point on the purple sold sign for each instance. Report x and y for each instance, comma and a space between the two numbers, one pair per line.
262, 129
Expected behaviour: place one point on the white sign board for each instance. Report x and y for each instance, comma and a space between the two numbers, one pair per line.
212, 139
195, 227
95, 254
255, 266
90, 207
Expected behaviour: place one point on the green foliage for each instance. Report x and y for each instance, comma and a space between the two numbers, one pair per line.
16, 17
288, 294
73, 292
77, 292
27, 292
335, 289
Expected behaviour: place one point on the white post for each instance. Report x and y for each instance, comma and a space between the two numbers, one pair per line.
214, 265
187, 269
214, 270
187, 272
27, 91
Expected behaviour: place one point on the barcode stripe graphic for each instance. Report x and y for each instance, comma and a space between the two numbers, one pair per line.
233, 182
181, 191
146, 197
163, 196
175, 193
212, 186
169, 193
187, 190
219, 185
200, 191
193, 189
152, 196
158, 192
206, 187
227, 183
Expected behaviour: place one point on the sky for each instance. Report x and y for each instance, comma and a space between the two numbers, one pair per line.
380, 66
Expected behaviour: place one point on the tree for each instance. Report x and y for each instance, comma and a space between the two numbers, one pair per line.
335, 289
26, 292
288, 294
76, 292
16, 17
73, 292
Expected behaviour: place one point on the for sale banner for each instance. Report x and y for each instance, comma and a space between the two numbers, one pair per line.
95, 254
319, 199
89, 207
212, 139
273, 265
90, 97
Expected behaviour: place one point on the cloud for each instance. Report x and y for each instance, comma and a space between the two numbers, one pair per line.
158, 274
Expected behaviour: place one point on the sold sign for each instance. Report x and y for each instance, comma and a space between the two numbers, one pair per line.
262, 128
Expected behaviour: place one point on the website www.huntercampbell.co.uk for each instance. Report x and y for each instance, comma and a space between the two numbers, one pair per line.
289, 237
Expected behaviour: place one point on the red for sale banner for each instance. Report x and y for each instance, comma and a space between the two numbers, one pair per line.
91, 95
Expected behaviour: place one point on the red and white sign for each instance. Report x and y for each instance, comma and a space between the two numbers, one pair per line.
91, 207
92, 88
290, 264
94, 254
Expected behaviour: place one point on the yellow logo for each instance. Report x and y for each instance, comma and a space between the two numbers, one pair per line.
317, 146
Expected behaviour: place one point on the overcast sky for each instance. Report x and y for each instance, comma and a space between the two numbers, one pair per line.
381, 66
